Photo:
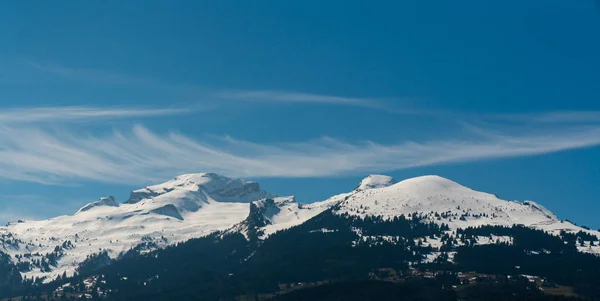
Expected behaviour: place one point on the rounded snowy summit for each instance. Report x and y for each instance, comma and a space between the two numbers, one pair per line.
429, 184
375, 181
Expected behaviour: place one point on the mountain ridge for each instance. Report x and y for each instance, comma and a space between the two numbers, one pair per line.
195, 205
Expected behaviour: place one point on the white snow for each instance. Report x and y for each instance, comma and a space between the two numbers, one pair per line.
281, 213
196, 205
433, 194
323, 230
443, 201
290, 214
106, 201
186, 207
375, 181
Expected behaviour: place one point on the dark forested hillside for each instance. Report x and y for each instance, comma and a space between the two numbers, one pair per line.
10, 278
421, 290
342, 257
372, 291
336, 247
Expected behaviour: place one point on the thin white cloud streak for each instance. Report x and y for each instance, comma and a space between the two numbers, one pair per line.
106, 77
553, 117
142, 156
79, 113
399, 106
89, 75
265, 96
297, 97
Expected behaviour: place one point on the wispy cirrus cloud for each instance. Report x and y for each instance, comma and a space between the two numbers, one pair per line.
142, 156
95, 76
398, 105
258, 96
65, 154
552, 117
298, 97
79, 113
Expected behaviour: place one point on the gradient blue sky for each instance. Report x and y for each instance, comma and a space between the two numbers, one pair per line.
102, 97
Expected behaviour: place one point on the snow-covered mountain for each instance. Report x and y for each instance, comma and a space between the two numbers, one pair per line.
197, 205
443, 201
434, 196
186, 207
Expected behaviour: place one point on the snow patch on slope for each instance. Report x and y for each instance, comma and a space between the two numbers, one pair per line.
542, 209
268, 216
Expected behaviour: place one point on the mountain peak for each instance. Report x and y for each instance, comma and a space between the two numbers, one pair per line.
430, 182
108, 201
441, 200
219, 187
375, 181
195, 205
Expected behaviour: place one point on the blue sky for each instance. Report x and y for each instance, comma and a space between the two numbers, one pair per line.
102, 97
